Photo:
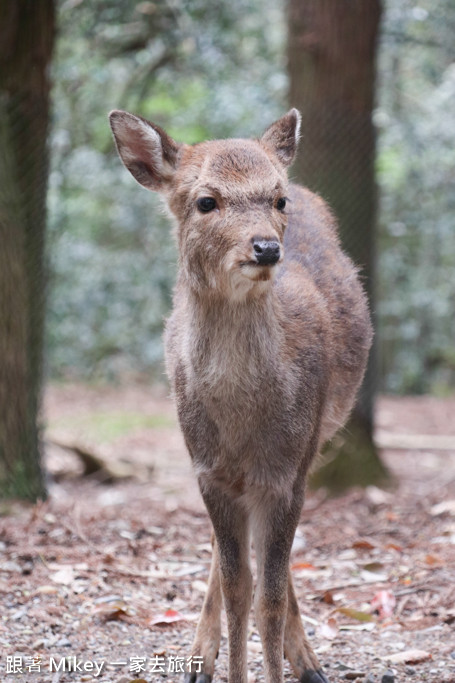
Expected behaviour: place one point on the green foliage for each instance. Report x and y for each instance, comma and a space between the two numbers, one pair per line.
415, 166
205, 70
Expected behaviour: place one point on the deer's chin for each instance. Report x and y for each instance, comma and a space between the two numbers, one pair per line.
250, 280
256, 273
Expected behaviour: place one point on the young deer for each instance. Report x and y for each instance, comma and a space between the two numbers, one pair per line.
266, 347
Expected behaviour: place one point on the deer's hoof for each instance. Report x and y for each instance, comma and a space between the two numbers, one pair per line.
197, 678
311, 676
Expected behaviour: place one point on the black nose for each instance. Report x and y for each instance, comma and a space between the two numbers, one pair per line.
267, 252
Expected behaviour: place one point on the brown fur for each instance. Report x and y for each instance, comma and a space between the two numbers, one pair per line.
265, 361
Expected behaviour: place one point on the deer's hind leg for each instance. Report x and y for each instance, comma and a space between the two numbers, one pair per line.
297, 649
208, 633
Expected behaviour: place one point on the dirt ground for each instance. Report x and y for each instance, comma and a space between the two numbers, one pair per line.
105, 580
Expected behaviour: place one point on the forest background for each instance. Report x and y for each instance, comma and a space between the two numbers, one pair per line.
206, 70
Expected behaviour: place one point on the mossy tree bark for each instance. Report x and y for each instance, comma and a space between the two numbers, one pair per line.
26, 42
332, 68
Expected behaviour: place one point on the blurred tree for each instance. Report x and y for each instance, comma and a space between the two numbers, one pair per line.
332, 68
26, 40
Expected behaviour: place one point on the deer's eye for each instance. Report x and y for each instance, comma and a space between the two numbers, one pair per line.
281, 204
206, 204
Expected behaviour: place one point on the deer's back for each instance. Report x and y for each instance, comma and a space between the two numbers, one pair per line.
315, 265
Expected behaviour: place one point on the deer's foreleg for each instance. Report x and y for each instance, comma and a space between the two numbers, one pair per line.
273, 530
230, 523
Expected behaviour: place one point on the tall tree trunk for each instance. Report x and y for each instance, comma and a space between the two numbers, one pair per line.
26, 41
332, 66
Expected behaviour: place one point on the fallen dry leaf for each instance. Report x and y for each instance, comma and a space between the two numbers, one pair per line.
441, 508
112, 610
46, 590
355, 614
329, 629
409, 657
254, 646
65, 575
169, 617
432, 560
376, 496
384, 603
366, 626
376, 567
363, 545
372, 577
328, 598
200, 586
302, 565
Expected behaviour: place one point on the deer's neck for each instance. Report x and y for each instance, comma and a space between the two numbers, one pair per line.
234, 342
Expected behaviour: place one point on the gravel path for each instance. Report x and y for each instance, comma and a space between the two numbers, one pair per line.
104, 581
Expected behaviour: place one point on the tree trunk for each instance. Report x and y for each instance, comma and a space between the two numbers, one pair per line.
331, 61
26, 41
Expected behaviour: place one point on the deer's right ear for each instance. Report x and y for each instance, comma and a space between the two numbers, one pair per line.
148, 153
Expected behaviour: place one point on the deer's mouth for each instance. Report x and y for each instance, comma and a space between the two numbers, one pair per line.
255, 264
242, 264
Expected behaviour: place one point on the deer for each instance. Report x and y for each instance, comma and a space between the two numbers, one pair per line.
265, 348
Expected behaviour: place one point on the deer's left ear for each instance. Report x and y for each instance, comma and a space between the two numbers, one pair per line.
282, 137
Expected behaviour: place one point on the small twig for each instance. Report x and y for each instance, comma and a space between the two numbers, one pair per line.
417, 589
351, 584
80, 532
43, 560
